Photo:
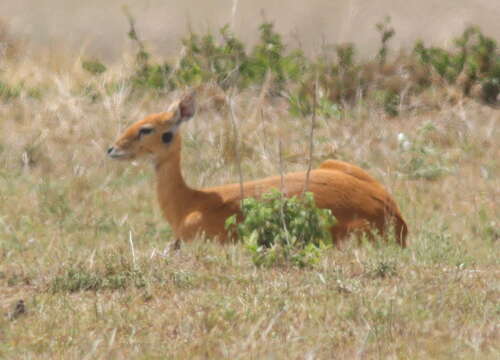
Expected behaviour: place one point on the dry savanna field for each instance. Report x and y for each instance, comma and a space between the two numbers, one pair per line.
87, 270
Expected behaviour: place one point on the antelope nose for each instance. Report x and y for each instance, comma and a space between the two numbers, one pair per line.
110, 150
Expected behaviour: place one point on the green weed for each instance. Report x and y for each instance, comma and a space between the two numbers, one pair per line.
9, 92
386, 33
94, 67
277, 230
113, 277
474, 60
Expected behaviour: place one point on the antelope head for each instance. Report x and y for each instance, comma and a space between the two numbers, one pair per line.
156, 134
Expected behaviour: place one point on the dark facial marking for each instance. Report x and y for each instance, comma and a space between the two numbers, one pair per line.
145, 131
167, 137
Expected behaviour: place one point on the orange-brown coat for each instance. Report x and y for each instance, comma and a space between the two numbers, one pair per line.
357, 200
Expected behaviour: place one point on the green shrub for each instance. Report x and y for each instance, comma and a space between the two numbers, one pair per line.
386, 33
78, 278
389, 100
301, 105
270, 55
151, 76
475, 59
94, 67
222, 59
8, 92
278, 230
341, 79
226, 61
206, 59
146, 75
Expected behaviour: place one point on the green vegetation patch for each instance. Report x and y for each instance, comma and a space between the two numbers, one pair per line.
335, 78
78, 278
94, 67
8, 92
278, 230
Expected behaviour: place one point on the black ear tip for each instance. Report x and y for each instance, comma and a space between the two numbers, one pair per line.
167, 137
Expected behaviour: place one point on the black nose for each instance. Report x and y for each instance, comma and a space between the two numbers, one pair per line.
110, 150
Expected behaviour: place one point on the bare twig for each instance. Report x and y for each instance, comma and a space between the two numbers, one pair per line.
282, 189
262, 95
132, 34
236, 144
132, 250
233, 13
311, 134
177, 64
281, 167
282, 175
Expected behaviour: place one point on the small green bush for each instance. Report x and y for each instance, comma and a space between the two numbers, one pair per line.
151, 76
94, 67
206, 59
80, 279
279, 230
389, 100
475, 59
8, 92
270, 55
146, 75
386, 33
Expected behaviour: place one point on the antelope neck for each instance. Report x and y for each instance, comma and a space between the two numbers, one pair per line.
174, 195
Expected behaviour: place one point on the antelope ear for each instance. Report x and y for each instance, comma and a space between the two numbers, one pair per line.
184, 108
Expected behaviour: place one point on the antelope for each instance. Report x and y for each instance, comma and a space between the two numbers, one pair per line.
356, 199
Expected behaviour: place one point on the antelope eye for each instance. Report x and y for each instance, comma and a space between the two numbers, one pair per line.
145, 131
167, 137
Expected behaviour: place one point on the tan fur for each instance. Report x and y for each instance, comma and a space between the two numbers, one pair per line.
357, 200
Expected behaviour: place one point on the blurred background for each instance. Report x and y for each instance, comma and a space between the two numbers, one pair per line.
99, 27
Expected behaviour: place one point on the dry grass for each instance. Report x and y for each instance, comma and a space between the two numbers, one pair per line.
67, 215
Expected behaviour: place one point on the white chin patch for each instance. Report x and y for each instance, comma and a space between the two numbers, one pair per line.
119, 154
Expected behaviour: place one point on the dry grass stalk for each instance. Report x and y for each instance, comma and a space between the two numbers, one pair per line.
311, 133
236, 143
